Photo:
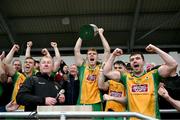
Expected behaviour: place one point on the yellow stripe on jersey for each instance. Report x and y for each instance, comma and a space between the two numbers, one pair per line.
19, 80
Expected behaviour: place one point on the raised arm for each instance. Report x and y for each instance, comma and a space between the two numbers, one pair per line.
10, 55
164, 93
2, 69
9, 69
6, 69
45, 52
6, 64
57, 58
107, 70
7, 61
106, 46
2, 56
28, 49
77, 53
101, 81
170, 64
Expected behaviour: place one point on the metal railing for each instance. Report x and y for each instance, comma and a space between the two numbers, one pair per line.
64, 115
168, 111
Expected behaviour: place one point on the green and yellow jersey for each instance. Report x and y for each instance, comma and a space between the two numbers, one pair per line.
116, 89
142, 93
89, 91
18, 80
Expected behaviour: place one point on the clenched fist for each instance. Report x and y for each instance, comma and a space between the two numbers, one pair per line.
100, 30
29, 44
151, 48
16, 47
117, 52
53, 44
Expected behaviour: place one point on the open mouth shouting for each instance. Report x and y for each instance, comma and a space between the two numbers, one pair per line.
27, 68
91, 59
136, 66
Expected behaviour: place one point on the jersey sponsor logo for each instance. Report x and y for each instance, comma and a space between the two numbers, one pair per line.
139, 88
91, 78
115, 94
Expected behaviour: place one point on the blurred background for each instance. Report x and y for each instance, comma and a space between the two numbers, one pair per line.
128, 24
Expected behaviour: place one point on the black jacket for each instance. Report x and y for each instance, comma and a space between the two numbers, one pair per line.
172, 86
71, 91
35, 89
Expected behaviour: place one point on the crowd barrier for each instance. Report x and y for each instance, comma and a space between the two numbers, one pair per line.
65, 115
79, 114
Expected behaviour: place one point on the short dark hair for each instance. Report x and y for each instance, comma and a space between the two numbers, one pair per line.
31, 59
119, 62
37, 61
137, 53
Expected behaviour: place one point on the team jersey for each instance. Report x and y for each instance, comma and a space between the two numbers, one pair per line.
89, 91
116, 89
142, 93
18, 80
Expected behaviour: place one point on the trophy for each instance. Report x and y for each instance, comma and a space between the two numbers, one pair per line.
88, 32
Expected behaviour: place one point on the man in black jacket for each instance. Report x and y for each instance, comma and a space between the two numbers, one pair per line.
40, 89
